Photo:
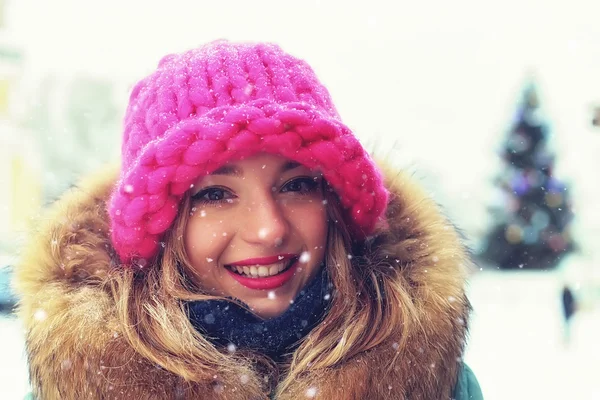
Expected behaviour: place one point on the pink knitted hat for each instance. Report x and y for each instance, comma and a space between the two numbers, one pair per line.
222, 102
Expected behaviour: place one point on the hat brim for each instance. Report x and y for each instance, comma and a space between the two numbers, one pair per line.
146, 200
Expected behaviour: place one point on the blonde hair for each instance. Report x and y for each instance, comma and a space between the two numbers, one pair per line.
365, 311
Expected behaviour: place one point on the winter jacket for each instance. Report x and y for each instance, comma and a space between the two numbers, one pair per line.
76, 349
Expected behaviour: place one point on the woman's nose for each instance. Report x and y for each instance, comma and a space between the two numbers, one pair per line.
265, 223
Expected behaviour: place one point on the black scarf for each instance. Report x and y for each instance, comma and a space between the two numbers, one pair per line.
228, 324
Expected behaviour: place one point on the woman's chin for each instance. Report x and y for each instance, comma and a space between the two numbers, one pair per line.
269, 304
269, 308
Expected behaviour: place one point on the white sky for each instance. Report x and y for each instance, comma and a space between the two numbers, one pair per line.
439, 79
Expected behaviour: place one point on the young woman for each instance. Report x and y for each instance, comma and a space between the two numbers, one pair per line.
249, 248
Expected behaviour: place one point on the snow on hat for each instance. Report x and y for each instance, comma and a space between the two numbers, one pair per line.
221, 102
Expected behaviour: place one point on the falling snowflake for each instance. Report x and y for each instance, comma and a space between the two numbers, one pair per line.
395, 346
311, 392
231, 348
451, 299
208, 259
128, 188
244, 379
40, 315
435, 259
327, 296
263, 232
271, 295
209, 318
66, 364
202, 213
219, 388
305, 257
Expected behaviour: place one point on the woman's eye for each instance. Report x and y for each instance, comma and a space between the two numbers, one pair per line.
212, 195
303, 185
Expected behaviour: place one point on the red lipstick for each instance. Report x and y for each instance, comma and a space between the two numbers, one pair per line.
266, 282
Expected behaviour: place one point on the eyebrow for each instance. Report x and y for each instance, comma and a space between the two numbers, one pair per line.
227, 170
232, 170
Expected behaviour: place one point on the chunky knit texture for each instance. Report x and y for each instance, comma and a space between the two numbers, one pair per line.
223, 102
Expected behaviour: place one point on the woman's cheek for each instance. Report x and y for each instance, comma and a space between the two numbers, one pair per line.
203, 238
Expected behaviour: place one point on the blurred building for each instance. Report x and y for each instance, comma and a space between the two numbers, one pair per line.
19, 166
55, 126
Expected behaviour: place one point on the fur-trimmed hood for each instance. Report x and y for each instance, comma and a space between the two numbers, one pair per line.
76, 348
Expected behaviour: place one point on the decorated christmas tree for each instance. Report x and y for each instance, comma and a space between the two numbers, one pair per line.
531, 227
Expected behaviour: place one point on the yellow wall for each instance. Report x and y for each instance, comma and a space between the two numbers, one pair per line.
4, 88
25, 195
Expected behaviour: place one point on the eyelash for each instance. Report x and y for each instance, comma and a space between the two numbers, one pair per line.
199, 197
311, 185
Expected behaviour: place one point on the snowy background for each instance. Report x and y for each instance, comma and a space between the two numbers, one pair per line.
433, 85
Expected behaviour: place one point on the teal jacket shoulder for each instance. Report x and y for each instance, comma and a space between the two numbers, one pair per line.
467, 387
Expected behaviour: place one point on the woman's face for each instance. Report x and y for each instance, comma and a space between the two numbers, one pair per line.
257, 231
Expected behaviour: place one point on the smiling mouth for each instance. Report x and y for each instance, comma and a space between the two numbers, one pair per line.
262, 271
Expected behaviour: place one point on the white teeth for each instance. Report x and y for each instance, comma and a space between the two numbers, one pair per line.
258, 271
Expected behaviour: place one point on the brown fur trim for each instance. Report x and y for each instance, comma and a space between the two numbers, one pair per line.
76, 349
